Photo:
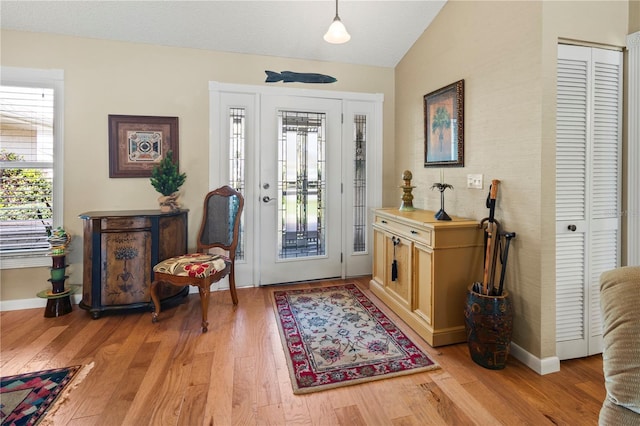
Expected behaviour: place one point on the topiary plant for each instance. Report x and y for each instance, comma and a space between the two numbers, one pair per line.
165, 177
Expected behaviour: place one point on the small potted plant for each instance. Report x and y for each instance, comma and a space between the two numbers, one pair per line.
166, 179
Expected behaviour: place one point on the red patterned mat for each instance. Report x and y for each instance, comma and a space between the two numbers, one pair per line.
26, 398
335, 336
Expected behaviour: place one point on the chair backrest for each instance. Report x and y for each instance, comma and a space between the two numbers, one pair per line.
221, 220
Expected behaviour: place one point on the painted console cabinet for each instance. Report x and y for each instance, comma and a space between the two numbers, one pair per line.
120, 250
436, 261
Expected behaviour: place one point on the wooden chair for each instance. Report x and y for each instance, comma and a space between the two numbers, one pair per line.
219, 229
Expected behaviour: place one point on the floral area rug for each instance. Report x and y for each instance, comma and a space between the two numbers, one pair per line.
335, 336
25, 399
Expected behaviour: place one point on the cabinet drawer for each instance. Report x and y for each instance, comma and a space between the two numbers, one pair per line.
416, 233
125, 223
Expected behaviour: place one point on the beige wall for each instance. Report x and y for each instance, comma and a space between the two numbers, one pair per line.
104, 77
634, 16
506, 53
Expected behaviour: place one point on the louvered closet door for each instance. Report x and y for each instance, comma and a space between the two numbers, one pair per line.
588, 168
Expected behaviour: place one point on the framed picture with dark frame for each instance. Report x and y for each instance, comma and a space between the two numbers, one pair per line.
137, 144
444, 126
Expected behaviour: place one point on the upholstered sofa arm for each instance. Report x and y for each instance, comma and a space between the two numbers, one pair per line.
620, 308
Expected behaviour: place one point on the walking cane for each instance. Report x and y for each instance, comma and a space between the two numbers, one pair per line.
491, 232
503, 258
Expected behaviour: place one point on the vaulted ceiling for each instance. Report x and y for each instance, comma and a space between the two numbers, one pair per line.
381, 31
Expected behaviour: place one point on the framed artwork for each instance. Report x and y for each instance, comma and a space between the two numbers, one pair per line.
138, 143
444, 126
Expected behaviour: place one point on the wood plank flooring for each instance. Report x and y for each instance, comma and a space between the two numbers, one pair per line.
169, 373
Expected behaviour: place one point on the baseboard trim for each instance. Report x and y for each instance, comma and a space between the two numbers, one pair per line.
541, 366
36, 302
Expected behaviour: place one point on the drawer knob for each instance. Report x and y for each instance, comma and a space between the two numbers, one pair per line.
384, 221
414, 232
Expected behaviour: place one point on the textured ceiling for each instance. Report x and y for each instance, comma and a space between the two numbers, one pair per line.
381, 31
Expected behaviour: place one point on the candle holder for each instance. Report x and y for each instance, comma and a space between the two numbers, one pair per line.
441, 214
407, 196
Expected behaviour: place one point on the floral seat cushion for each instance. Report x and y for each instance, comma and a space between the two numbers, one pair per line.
196, 265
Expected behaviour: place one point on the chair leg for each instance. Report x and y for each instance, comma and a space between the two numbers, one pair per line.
204, 303
232, 285
156, 301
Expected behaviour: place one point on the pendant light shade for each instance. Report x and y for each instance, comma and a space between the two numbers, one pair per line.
337, 33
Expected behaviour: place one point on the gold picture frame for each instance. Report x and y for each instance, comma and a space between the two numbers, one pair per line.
138, 143
444, 126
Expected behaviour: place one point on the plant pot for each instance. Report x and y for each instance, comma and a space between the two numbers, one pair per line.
169, 203
488, 322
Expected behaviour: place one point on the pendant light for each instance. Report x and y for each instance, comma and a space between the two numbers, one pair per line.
337, 33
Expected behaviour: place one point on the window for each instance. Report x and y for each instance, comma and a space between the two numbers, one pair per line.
237, 165
360, 183
31, 106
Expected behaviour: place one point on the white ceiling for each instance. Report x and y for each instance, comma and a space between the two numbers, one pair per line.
381, 31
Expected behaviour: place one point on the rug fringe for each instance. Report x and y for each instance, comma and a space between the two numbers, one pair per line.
47, 419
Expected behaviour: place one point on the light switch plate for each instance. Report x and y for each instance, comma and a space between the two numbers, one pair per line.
474, 181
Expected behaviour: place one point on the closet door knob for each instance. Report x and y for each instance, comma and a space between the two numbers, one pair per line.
572, 228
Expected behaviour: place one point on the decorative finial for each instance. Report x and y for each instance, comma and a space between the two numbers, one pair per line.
407, 197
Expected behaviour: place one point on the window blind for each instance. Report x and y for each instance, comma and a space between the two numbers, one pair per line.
26, 168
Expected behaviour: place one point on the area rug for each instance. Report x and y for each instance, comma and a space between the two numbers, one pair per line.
25, 399
335, 336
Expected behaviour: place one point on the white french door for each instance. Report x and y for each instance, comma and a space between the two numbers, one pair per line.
300, 197
307, 163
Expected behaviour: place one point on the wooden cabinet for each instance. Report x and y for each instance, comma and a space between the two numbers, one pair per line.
120, 250
436, 261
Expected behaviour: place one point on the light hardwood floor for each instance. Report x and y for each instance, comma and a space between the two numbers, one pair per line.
169, 373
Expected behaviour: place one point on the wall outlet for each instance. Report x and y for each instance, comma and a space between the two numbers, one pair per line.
474, 181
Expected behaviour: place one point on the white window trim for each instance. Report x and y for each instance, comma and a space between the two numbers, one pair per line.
51, 78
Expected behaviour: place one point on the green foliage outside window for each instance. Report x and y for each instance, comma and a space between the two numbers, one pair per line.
26, 193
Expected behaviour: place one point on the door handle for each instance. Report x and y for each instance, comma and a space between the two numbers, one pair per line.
266, 199
572, 228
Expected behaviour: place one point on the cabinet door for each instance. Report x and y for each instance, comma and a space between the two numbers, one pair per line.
172, 238
379, 261
400, 288
423, 282
126, 265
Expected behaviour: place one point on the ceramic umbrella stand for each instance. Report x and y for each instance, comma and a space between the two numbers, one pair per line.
489, 325
488, 314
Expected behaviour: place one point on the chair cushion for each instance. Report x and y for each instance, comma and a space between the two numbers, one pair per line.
197, 265
619, 302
